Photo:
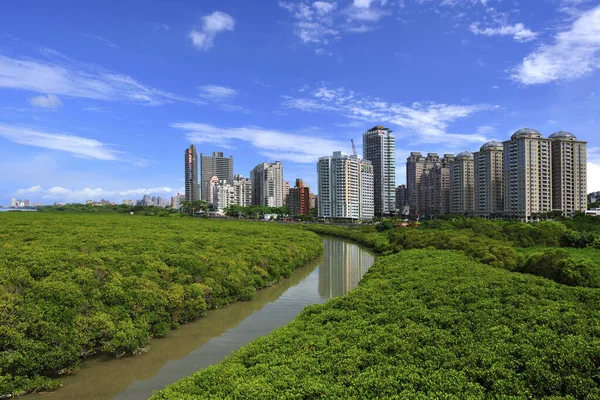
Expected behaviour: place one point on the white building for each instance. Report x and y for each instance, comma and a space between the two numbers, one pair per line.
569, 173
379, 147
345, 187
267, 184
238, 193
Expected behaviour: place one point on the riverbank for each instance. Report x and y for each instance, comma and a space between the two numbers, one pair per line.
78, 284
423, 324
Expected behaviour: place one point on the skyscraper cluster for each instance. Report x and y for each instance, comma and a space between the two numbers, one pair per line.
219, 187
355, 188
520, 178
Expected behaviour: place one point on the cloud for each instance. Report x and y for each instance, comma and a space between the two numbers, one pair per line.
215, 92
48, 101
66, 77
517, 31
101, 39
75, 145
270, 143
160, 27
203, 38
427, 123
573, 54
66, 194
313, 23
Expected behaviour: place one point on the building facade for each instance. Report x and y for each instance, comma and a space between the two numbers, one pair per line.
401, 198
345, 187
434, 190
216, 165
298, 199
267, 184
489, 181
569, 173
191, 174
527, 174
379, 147
462, 184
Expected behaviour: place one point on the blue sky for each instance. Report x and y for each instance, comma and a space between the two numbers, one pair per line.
100, 99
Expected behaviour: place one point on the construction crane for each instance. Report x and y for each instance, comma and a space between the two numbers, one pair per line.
353, 146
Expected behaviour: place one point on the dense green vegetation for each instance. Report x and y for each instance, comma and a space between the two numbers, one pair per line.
112, 209
75, 284
511, 245
423, 324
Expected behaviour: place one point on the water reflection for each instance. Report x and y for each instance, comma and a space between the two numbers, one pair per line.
208, 340
345, 265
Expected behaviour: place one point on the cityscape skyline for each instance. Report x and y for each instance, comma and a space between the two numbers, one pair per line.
100, 104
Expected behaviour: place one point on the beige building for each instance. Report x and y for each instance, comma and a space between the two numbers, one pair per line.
527, 174
345, 187
416, 167
210, 166
489, 183
434, 196
462, 184
569, 173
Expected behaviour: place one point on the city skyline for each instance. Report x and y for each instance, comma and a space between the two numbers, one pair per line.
98, 101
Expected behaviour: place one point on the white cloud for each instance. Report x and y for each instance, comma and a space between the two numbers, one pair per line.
517, 31
215, 92
48, 101
313, 23
68, 78
270, 143
203, 38
66, 194
593, 177
573, 54
101, 39
75, 145
427, 123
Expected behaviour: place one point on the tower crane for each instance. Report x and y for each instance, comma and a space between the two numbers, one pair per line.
353, 146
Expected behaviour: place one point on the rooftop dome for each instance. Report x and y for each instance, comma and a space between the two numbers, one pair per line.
464, 154
563, 135
526, 133
492, 145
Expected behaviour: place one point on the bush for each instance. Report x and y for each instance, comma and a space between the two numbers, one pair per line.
559, 267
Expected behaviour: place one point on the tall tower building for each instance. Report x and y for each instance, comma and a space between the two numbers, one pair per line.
191, 174
401, 200
569, 173
489, 183
379, 147
216, 165
462, 184
527, 174
298, 199
267, 184
345, 187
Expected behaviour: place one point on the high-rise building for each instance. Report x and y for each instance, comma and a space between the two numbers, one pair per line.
401, 199
236, 193
216, 165
298, 199
314, 201
462, 184
191, 174
434, 190
267, 184
569, 173
434, 198
286, 191
243, 191
527, 174
379, 147
345, 187
489, 183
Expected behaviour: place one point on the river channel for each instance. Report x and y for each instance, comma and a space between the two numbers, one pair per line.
208, 340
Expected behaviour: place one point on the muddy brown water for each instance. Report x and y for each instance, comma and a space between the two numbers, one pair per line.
208, 340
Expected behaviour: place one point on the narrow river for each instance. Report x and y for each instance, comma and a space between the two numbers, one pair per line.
208, 340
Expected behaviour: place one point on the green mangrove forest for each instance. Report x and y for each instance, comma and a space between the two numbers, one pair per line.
76, 284
452, 309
